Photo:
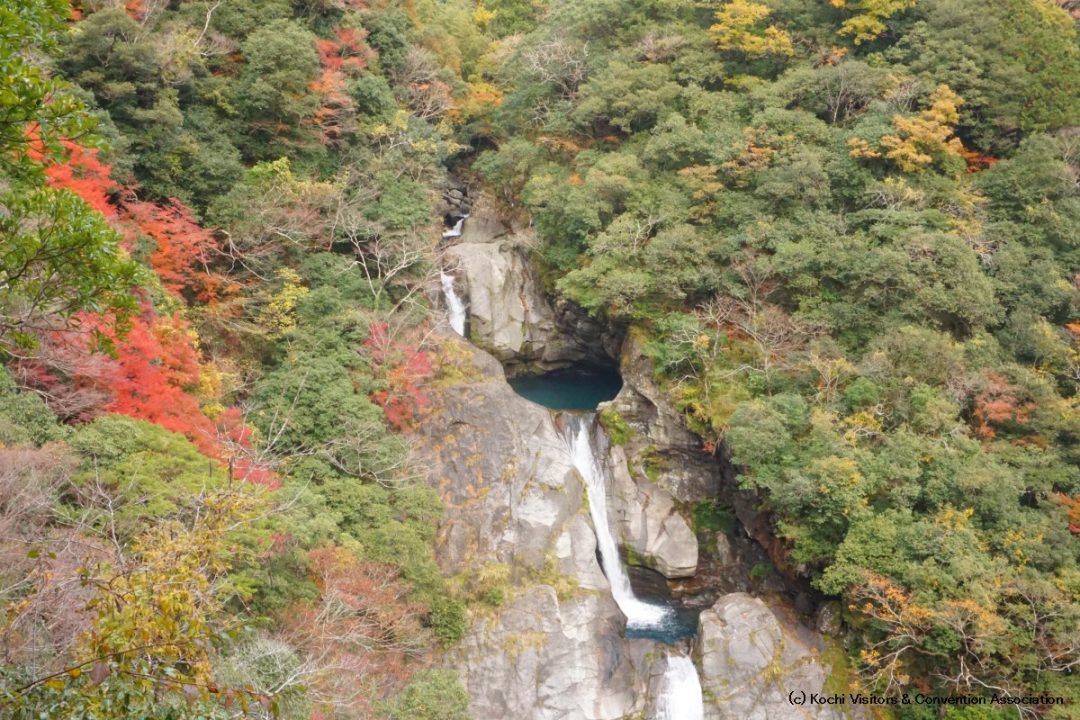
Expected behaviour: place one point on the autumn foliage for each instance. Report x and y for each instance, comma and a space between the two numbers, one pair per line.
184, 249
342, 55
153, 373
997, 406
362, 636
406, 367
153, 370
84, 174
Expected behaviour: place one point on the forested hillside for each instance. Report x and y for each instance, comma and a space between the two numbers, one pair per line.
216, 223
846, 232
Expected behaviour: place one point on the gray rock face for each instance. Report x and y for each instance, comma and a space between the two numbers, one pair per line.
513, 497
647, 522
660, 438
551, 659
509, 313
554, 650
751, 658
484, 225
506, 477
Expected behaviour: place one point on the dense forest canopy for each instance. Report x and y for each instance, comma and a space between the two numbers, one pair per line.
847, 233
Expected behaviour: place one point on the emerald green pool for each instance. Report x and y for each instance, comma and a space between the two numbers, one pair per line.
580, 387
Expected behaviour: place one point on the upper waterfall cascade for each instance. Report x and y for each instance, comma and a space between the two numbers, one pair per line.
456, 230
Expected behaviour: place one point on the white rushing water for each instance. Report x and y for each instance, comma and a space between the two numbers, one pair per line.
680, 691
639, 614
456, 230
454, 304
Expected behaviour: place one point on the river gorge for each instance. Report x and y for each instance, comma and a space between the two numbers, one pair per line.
577, 483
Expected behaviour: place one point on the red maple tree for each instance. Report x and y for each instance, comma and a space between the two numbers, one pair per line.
343, 55
404, 367
183, 250
83, 173
153, 369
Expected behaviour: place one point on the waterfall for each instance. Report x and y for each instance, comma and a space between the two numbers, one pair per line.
638, 613
453, 303
680, 691
456, 230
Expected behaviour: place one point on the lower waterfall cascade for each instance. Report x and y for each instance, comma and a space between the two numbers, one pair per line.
639, 614
680, 691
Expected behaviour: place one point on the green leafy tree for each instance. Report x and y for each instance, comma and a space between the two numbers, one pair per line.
59, 258
35, 109
272, 90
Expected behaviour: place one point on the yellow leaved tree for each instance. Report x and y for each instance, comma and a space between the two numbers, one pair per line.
740, 27
919, 140
155, 611
869, 23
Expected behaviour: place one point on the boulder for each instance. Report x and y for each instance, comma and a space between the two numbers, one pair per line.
575, 554
725, 552
751, 657
828, 620
648, 523
546, 658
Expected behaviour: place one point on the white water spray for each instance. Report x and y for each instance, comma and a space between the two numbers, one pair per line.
453, 303
639, 614
680, 691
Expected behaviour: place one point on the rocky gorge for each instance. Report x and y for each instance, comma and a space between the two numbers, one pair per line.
548, 640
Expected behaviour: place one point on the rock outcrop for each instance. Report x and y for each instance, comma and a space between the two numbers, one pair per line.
551, 659
751, 657
659, 443
509, 313
502, 468
513, 497
649, 524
